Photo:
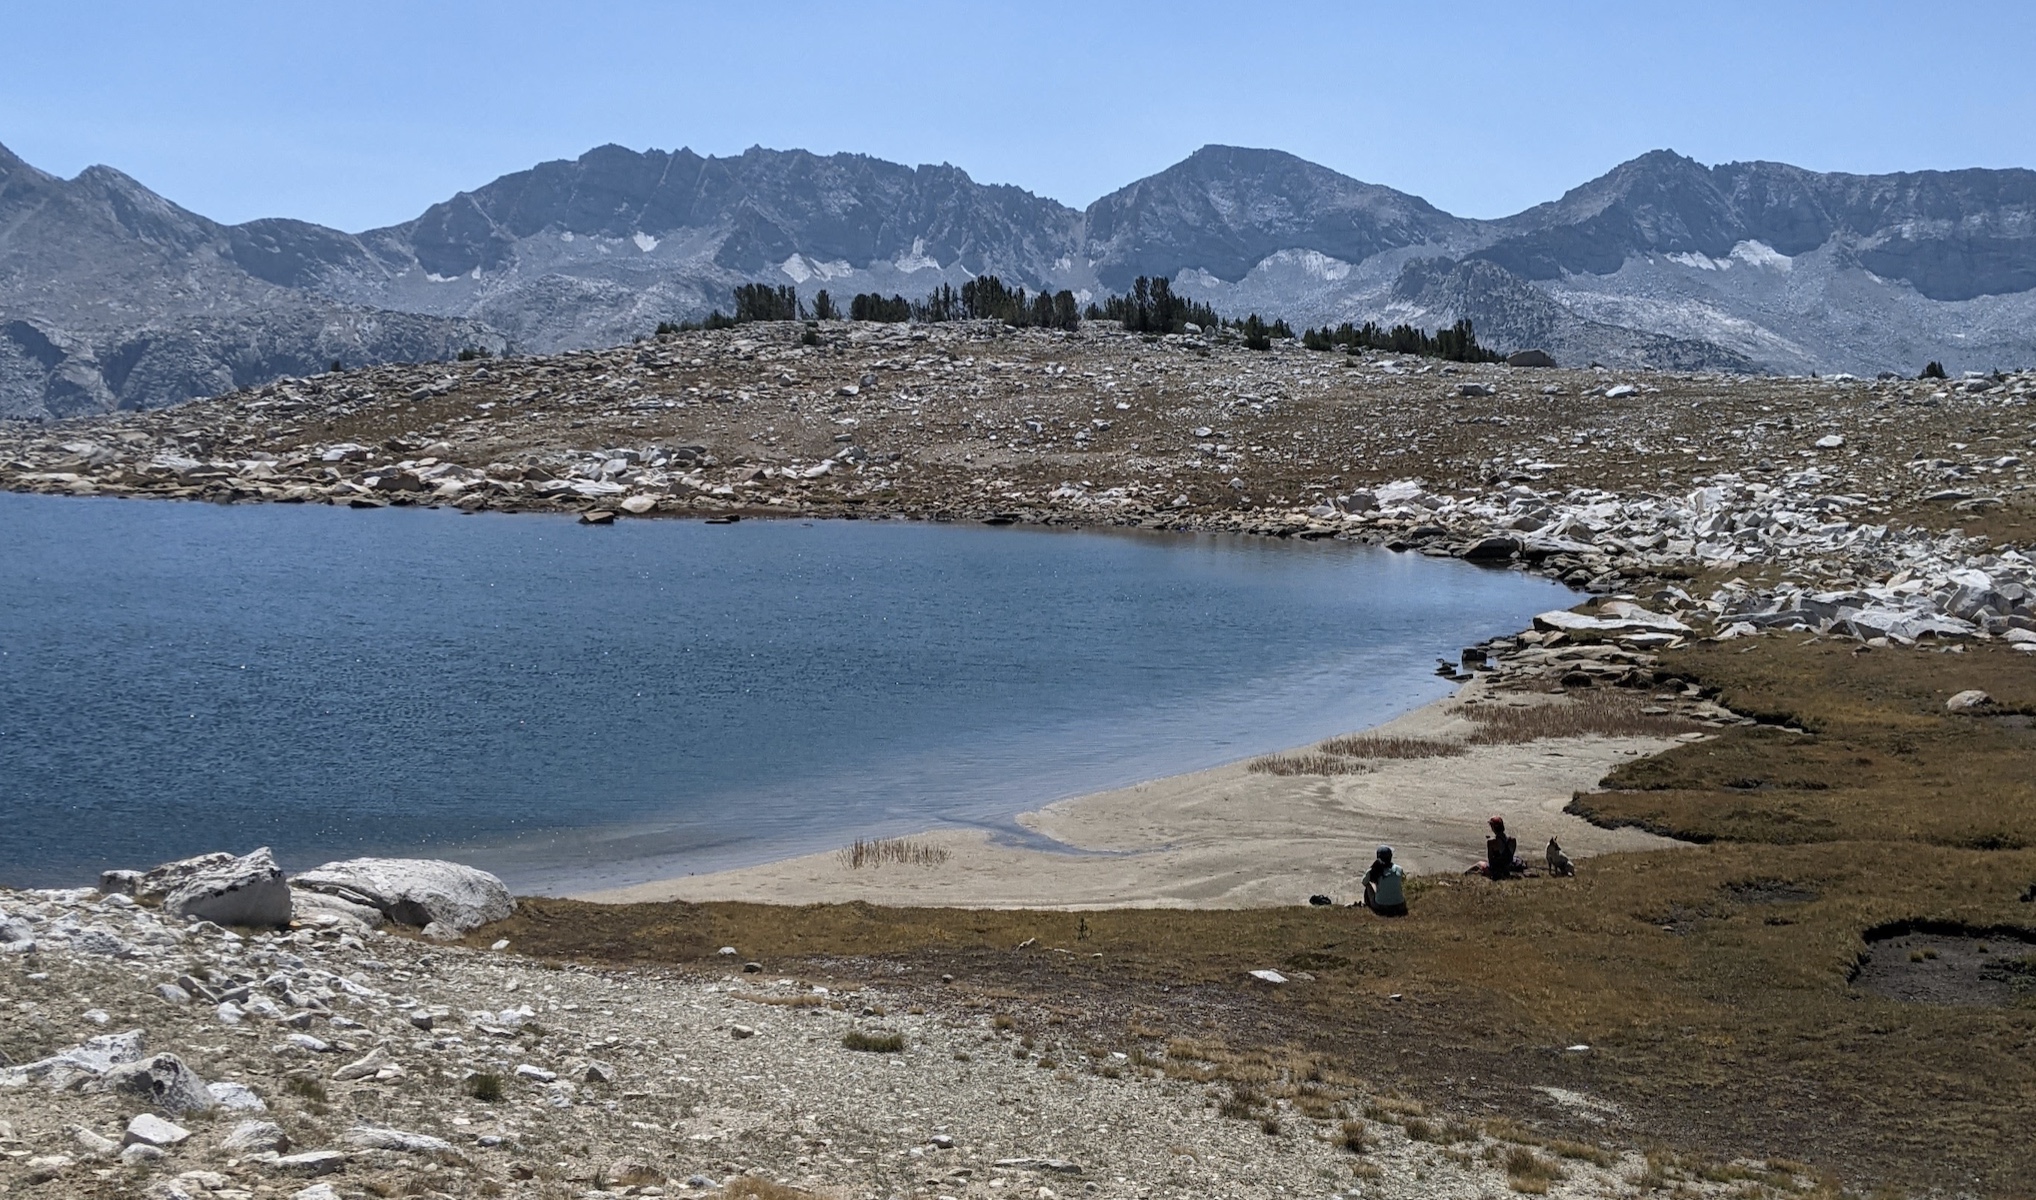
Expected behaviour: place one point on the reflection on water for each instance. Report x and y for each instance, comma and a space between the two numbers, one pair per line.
576, 706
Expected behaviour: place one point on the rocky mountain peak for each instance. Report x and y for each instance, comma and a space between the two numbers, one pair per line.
1224, 209
12, 165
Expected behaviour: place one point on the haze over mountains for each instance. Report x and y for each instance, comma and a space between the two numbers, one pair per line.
111, 296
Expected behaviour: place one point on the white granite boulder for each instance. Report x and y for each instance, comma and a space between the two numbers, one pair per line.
415, 891
256, 1136
157, 883
309, 906
249, 890
381, 1137
162, 1081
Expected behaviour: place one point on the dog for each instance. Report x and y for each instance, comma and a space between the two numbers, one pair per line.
1558, 862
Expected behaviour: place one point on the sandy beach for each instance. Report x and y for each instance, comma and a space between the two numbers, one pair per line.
1228, 837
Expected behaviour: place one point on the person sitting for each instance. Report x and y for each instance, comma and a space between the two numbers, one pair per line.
1558, 862
1502, 854
1384, 886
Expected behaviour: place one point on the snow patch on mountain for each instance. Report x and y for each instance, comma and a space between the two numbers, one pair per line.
917, 259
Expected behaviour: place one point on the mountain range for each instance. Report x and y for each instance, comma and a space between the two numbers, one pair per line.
112, 296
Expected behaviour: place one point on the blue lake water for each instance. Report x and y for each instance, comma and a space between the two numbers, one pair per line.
578, 707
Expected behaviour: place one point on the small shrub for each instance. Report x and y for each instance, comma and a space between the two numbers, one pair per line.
1003, 1022
307, 1086
1353, 1137
874, 1043
1270, 1126
485, 1086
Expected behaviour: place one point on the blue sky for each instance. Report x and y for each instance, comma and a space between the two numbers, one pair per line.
360, 114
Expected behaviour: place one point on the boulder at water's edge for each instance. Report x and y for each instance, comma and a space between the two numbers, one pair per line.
415, 891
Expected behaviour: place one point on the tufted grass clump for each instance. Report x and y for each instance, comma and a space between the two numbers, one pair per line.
1372, 745
903, 851
1306, 764
485, 1086
874, 1043
1529, 1173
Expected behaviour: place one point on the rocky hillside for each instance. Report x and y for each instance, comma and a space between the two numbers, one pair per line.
111, 296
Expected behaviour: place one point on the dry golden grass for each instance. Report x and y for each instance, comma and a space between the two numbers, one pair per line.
1583, 1152
1371, 745
1528, 1172
1606, 713
1306, 764
1881, 759
1505, 1129
905, 851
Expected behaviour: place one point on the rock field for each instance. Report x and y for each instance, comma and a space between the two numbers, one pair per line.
1837, 506
146, 1055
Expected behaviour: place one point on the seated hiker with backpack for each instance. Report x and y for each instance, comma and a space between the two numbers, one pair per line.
1384, 885
1502, 854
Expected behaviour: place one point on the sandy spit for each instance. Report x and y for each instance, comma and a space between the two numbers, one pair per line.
1226, 837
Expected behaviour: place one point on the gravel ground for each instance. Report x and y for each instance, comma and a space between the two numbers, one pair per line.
366, 1051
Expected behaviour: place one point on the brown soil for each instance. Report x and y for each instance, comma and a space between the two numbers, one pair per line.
1976, 967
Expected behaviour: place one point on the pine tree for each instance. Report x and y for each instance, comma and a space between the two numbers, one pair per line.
823, 307
762, 302
872, 306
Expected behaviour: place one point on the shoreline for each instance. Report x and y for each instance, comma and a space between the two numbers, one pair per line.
1854, 508
1227, 837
